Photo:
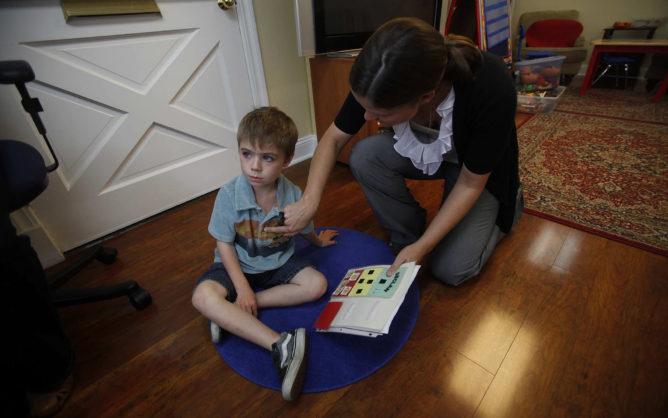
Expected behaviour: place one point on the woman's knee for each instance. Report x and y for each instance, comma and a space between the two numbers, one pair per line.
454, 272
367, 153
359, 156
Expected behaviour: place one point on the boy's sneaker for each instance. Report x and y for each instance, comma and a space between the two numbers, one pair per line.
289, 356
215, 332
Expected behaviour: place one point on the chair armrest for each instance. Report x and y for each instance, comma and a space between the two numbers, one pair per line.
12, 72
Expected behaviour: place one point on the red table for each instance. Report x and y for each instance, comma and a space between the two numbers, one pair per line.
656, 46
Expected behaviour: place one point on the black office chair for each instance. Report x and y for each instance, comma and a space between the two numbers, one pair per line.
26, 176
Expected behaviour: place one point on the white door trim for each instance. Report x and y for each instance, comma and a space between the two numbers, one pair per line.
251, 48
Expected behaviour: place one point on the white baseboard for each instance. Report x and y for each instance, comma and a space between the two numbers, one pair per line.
26, 223
304, 149
47, 253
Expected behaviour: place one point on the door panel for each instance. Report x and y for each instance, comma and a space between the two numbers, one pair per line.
141, 110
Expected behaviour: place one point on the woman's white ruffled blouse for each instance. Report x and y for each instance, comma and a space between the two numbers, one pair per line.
427, 156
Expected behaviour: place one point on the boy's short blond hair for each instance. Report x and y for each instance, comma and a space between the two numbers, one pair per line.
269, 126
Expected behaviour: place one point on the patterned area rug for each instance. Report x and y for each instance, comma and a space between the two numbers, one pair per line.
604, 175
621, 104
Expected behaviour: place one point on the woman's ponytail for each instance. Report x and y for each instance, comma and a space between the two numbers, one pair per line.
463, 58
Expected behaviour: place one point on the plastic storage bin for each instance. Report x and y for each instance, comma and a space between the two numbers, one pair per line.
533, 103
540, 74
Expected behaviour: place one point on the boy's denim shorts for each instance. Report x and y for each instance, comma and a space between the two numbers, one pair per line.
266, 279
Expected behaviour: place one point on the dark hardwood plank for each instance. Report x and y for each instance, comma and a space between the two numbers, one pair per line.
535, 362
164, 256
425, 379
594, 344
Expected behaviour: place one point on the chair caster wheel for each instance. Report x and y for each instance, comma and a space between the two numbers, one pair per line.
106, 255
140, 299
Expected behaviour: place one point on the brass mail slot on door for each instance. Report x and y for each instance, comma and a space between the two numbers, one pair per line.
81, 8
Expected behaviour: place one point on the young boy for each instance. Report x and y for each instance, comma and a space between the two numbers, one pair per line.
247, 255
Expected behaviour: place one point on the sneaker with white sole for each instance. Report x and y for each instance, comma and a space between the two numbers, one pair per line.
289, 356
215, 332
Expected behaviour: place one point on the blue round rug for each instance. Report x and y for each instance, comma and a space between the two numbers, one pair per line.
334, 360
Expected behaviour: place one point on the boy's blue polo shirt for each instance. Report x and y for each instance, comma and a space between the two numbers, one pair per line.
238, 219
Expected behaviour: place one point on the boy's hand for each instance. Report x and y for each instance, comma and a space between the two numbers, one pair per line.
246, 300
326, 237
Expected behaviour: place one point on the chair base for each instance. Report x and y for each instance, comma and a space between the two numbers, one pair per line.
139, 298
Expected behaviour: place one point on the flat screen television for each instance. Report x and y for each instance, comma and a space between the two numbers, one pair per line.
326, 26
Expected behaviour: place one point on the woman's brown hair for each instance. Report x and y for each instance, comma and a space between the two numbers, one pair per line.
406, 58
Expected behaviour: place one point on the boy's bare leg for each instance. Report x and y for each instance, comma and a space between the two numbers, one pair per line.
209, 299
307, 285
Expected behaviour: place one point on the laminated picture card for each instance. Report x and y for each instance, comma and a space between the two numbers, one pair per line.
366, 300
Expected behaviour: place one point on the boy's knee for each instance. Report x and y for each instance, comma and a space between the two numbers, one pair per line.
316, 285
321, 287
205, 295
200, 296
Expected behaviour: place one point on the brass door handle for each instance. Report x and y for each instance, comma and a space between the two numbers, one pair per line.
226, 4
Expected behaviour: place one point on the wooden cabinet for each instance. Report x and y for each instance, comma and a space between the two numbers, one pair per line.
329, 81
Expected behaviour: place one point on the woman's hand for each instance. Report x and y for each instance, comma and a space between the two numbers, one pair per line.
296, 217
414, 252
246, 300
326, 237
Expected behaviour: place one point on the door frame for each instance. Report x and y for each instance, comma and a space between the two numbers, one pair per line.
27, 223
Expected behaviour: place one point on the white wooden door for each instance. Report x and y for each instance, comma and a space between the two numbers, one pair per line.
142, 110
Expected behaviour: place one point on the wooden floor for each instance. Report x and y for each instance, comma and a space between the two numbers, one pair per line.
559, 323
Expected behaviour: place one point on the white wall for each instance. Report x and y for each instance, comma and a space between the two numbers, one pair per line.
284, 70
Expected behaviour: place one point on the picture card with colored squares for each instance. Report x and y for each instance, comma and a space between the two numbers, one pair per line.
370, 281
366, 300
